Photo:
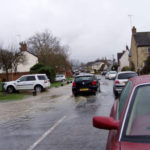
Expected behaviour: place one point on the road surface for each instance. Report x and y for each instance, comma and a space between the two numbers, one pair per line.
55, 120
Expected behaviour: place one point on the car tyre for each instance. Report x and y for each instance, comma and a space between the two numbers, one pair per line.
38, 88
10, 89
116, 94
74, 94
99, 89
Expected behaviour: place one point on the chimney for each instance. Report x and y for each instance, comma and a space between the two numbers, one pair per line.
133, 30
23, 46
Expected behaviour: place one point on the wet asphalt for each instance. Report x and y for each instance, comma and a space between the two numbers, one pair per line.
66, 125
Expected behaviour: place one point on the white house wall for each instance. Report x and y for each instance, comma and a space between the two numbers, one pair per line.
30, 61
124, 60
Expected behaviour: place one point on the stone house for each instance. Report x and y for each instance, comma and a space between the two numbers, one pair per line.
22, 68
123, 59
140, 49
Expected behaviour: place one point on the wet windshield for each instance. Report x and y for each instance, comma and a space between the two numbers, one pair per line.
126, 75
139, 120
83, 78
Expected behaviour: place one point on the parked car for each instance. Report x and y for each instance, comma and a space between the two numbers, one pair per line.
129, 121
112, 75
121, 80
104, 73
107, 75
60, 77
37, 82
85, 83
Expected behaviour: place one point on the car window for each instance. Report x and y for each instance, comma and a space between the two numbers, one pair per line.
83, 78
42, 77
139, 120
126, 75
112, 72
31, 78
123, 98
24, 78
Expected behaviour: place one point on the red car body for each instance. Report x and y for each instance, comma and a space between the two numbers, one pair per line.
118, 124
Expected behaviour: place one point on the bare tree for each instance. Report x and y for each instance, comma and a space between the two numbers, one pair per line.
10, 59
6, 59
18, 58
49, 50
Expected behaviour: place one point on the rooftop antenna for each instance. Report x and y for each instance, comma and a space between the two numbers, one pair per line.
130, 16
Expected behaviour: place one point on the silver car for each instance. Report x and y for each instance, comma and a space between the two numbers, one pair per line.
121, 80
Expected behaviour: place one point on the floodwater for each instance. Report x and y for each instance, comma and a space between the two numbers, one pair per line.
55, 120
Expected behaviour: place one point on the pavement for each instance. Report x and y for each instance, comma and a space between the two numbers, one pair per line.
55, 120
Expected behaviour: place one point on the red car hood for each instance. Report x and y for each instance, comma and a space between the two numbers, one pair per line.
135, 146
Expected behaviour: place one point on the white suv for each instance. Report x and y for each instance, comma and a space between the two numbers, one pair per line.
37, 82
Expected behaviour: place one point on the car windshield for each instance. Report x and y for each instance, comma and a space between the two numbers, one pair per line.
83, 78
112, 72
139, 113
126, 75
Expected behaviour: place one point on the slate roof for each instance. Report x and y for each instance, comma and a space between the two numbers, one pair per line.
119, 55
142, 38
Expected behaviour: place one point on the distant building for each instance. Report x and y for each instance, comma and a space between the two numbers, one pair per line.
123, 59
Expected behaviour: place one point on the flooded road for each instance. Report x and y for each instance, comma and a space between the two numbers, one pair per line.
55, 120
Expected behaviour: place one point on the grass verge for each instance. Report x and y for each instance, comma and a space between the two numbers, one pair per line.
0, 86
14, 96
57, 84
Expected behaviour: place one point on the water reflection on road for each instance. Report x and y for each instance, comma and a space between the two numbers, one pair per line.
76, 130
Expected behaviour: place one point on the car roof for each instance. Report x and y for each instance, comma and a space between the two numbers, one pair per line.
33, 74
126, 72
138, 80
84, 74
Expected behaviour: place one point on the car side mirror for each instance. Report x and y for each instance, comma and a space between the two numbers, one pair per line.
107, 123
18, 80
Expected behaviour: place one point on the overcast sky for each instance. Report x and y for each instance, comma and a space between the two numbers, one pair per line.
92, 28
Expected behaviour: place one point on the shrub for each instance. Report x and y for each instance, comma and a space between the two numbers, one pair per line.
49, 72
40, 68
146, 68
36, 67
126, 68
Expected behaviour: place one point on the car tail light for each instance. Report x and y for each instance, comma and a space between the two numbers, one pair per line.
74, 84
94, 83
117, 82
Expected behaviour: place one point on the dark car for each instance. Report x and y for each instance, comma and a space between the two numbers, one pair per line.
104, 73
129, 121
86, 83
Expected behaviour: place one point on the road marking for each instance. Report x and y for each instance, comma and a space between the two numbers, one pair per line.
46, 134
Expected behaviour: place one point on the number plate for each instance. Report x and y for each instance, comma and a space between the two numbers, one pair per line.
85, 89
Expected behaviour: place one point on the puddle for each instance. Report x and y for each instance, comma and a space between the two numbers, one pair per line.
55, 96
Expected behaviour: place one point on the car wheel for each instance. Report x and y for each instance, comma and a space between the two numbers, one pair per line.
74, 94
116, 94
10, 89
99, 89
38, 89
